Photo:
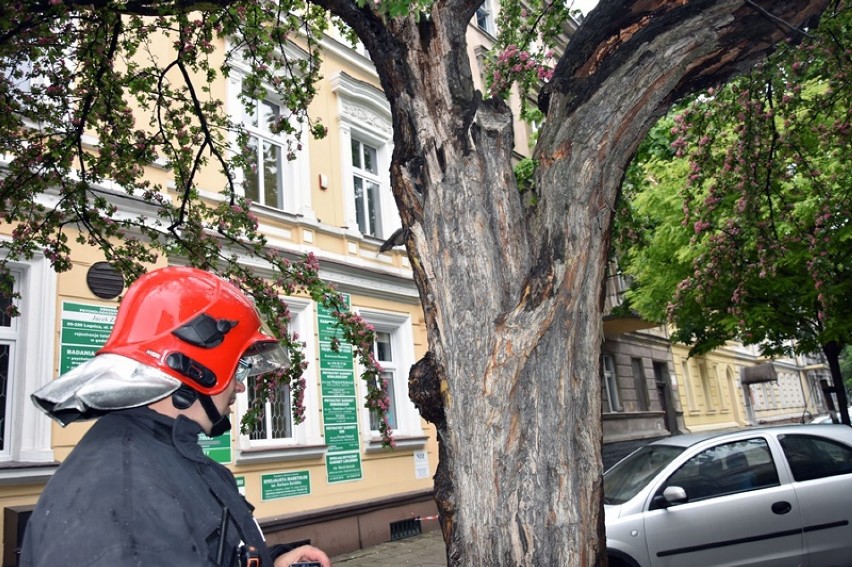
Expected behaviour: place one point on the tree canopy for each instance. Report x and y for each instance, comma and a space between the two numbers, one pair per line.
738, 208
89, 102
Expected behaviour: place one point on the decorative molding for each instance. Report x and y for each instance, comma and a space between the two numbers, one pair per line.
357, 113
298, 453
27, 474
400, 444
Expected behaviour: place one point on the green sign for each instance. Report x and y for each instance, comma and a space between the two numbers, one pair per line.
82, 333
342, 360
338, 382
241, 484
339, 410
285, 485
85, 328
343, 467
342, 437
217, 448
339, 402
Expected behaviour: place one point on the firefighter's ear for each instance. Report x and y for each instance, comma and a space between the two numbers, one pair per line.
184, 397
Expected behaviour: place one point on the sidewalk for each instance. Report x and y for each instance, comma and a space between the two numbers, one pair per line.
424, 550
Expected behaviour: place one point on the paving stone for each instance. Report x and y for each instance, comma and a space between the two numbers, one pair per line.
424, 550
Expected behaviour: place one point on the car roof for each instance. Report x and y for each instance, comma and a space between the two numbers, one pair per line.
690, 439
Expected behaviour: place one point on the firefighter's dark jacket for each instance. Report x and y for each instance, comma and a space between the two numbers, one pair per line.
138, 491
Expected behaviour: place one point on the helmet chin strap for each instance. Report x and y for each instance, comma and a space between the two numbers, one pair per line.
221, 423
186, 396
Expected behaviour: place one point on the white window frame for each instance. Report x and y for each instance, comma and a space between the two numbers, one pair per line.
409, 430
364, 114
295, 195
485, 13
368, 199
33, 332
27, 84
306, 436
610, 384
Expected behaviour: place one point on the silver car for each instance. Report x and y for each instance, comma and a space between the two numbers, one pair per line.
771, 497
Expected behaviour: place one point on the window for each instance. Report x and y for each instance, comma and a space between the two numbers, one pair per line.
263, 181
26, 81
661, 373
728, 468
394, 350
687, 382
610, 382
9, 339
366, 135
366, 184
640, 383
717, 385
815, 457
483, 18
277, 419
26, 362
278, 174
275, 429
383, 352
706, 388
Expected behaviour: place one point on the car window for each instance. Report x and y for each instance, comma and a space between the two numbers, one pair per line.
813, 457
630, 475
727, 468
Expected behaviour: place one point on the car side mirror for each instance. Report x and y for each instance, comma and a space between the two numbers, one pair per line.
671, 496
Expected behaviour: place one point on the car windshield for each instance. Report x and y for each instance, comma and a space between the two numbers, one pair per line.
624, 481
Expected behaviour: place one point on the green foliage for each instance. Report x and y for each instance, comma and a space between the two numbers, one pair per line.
525, 174
846, 367
95, 98
738, 209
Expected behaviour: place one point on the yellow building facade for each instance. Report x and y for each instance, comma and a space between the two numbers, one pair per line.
327, 480
734, 386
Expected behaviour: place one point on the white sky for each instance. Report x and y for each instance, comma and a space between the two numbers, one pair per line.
584, 5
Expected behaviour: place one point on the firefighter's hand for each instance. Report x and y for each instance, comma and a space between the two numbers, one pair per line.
303, 553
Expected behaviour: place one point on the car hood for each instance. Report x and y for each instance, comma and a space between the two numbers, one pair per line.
611, 512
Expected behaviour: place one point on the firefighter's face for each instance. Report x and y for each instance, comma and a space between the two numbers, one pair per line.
226, 398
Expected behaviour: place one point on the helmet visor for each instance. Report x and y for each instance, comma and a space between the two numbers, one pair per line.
261, 358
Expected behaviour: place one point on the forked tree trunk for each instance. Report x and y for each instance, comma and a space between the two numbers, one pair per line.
512, 298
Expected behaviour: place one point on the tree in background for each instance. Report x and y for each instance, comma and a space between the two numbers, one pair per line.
846, 367
740, 208
511, 293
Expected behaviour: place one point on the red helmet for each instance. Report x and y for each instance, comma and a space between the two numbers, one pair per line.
194, 326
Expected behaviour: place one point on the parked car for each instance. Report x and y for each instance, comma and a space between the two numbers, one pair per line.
769, 497
828, 419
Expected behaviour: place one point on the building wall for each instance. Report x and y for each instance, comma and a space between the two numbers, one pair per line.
286, 479
647, 408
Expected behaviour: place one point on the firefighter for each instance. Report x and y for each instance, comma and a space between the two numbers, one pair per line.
138, 490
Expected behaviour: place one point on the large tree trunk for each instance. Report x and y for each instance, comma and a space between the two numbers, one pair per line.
512, 297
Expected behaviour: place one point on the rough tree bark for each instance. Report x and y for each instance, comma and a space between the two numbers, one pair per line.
512, 297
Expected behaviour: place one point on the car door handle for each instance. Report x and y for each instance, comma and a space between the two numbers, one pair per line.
781, 507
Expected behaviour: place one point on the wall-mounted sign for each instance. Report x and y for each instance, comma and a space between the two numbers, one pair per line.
339, 402
343, 467
85, 328
285, 485
217, 448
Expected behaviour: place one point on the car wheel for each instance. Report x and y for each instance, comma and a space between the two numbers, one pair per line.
617, 559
